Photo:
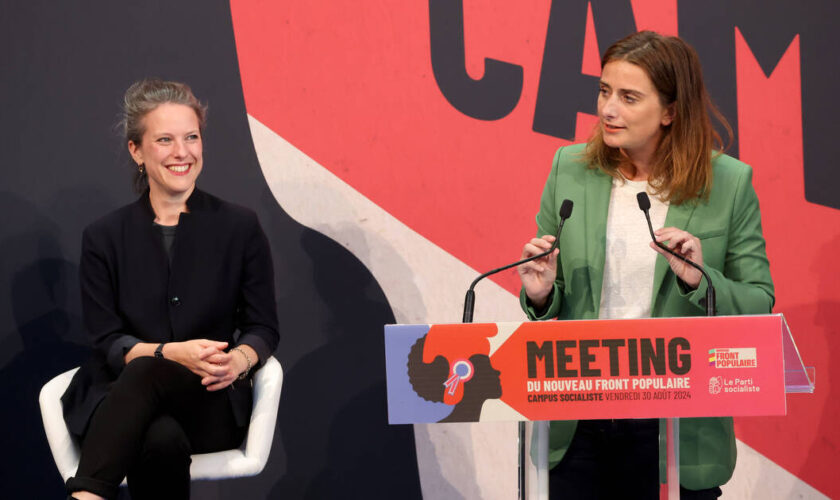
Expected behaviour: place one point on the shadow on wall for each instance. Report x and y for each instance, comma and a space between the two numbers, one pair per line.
332, 438
407, 302
333, 416
427, 435
826, 315
44, 332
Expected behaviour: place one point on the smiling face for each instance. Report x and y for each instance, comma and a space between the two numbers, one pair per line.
170, 150
630, 109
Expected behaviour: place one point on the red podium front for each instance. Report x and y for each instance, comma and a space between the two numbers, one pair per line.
599, 369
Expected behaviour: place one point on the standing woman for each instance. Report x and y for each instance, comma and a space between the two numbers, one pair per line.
654, 135
178, 295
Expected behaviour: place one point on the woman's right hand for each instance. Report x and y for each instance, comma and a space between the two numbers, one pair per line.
538, 275
194, 355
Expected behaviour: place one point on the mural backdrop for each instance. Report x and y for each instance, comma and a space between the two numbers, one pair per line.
391, 149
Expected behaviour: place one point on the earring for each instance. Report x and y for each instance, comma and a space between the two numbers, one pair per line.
142, 169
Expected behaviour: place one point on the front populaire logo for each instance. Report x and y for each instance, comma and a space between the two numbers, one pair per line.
731, 357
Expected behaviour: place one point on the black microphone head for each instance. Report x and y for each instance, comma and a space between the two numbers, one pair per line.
644, 201
566, 209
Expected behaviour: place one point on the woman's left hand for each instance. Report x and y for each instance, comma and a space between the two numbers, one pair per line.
685, 244
233, 363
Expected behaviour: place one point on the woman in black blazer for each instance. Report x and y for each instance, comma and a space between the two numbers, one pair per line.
178, 294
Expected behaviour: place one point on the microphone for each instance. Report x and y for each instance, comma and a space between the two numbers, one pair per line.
469, 300
644, 205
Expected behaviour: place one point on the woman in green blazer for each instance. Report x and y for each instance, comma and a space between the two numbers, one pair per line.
654, 134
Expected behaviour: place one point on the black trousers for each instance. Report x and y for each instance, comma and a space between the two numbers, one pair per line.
609, 459
154, 417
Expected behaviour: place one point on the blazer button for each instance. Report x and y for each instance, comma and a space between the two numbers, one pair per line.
175, 301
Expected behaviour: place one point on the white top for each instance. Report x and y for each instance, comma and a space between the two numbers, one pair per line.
629, 264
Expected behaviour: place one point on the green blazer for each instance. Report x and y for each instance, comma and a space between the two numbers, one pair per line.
729, 227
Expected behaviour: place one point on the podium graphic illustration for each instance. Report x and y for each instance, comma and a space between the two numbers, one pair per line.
668, 368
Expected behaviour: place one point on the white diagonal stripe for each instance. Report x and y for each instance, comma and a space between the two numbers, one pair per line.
423, 284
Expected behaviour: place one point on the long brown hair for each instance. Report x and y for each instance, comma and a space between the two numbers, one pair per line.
681, 168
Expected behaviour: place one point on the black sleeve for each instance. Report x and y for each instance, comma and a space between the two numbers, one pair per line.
257, 320
99, 308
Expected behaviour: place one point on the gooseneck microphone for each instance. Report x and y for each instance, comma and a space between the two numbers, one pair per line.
469, 306
469, 300
644, 205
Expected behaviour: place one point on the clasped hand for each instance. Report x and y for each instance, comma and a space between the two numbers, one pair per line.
208, 359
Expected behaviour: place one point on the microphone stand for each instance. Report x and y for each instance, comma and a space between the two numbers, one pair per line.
672, 425
469, 307
644, 205
469, 299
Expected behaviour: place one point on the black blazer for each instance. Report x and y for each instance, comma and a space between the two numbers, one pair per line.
219, 286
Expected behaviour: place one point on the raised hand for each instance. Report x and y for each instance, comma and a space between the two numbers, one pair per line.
538, 275
685, 244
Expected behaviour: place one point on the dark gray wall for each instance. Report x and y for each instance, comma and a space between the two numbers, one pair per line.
63, 68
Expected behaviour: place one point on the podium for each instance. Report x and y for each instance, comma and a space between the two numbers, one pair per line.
592, 369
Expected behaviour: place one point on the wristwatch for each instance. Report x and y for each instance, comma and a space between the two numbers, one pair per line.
159, 351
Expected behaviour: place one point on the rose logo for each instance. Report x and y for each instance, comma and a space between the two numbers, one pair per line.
715, 385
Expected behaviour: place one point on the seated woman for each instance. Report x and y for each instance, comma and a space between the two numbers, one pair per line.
178, 295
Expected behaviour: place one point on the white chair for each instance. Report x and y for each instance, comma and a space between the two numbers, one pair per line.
248, 460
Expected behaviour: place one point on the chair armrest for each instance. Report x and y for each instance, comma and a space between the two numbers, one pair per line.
64, 449
268, 381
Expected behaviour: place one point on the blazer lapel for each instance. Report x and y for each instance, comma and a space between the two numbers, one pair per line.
596, 204
678, 216
146, 239
191, 239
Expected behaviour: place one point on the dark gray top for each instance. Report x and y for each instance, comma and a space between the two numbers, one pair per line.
168, 233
